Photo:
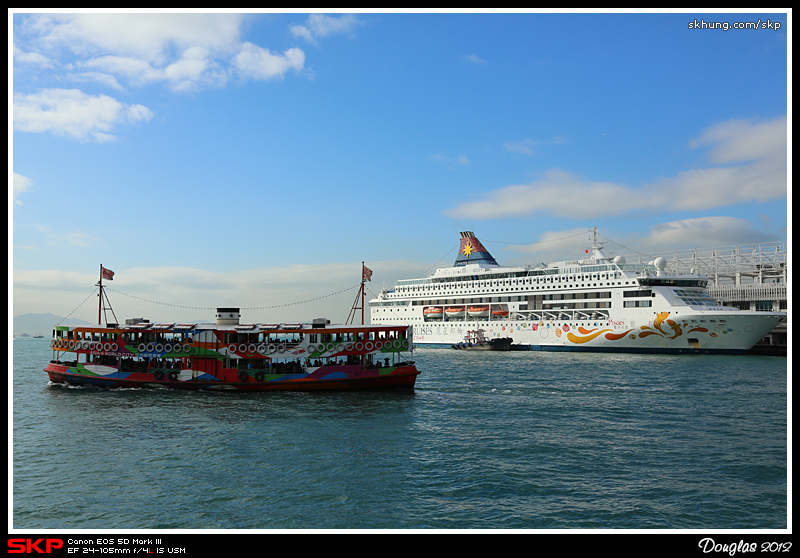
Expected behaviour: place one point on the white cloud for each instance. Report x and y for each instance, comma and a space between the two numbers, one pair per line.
558, 193
461, 160
683, 234
739, 141
73, 113
21, 184
59, 237
185, 52
702, 232
32, 59
149, 37
523, 147
530, 146
475, 59
750, 164
318, 26
259, 63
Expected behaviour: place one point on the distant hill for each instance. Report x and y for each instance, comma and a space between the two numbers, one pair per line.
41, 324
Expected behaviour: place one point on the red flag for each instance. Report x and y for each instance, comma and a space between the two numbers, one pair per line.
107, 273
366, 274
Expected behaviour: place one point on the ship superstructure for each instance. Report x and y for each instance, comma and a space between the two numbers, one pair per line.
597, 303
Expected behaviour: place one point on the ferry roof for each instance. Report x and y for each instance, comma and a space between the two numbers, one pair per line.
244, 328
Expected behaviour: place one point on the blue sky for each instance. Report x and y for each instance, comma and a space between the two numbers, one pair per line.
255, 160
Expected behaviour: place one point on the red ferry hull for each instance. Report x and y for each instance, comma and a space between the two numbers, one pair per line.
333, 379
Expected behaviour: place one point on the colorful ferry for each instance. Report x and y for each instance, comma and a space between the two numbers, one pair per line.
229, 355
599, 303
233, 356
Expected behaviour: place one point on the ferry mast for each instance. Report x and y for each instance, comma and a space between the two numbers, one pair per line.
103, 297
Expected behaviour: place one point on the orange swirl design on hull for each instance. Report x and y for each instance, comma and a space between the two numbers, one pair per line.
590, 334
617, 336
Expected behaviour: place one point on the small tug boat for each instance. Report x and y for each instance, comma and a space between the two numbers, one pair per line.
475, 340
228, 355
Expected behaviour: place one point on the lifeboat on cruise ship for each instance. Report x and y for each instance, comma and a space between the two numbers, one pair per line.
433, 312
455, 312
478, 311
499, 313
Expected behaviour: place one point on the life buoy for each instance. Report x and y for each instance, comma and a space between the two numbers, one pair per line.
251, 348
243, 376
259, 376
232, 348
142, 347
369, 345
271, 348
281, 348
340, 348
72, 344
349, 347
114, 347
107, 347
359, 346
312, 348
173, 376
242, 348
150, 347
405, 344
262, 349
159, 348
159, 375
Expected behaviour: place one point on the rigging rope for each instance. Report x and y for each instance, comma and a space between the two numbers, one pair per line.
78, 306
214, 308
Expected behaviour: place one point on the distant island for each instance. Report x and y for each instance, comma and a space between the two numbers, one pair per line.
32, 325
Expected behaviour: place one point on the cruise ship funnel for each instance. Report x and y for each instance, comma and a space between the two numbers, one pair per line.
472, 251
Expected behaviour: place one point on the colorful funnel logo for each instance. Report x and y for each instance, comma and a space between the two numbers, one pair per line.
472, 251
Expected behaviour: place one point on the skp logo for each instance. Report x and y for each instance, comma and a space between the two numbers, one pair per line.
29, 546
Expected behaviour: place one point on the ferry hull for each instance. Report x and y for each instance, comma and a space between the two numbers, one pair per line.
342, 378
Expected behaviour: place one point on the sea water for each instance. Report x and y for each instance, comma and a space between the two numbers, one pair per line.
486, 440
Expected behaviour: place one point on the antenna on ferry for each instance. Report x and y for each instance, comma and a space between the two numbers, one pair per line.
103, 297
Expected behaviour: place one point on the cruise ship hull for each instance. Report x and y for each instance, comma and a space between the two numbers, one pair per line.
728, 334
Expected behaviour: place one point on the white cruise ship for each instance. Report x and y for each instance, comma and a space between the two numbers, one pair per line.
594, 304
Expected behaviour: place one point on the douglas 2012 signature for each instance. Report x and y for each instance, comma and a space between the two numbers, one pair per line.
708, 545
